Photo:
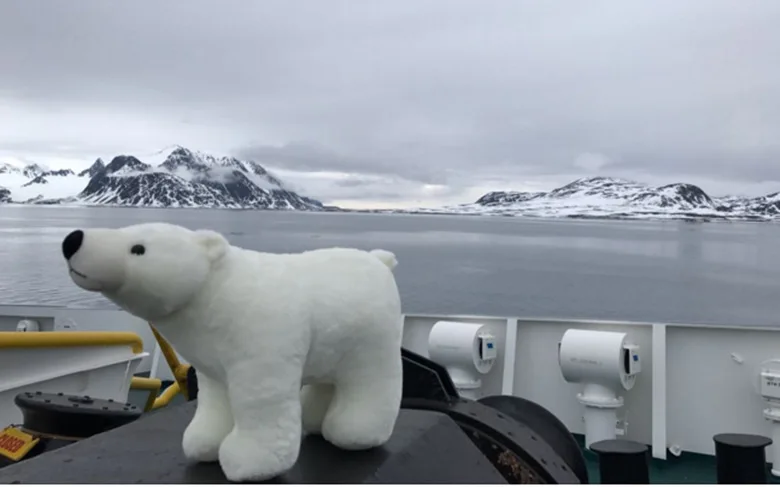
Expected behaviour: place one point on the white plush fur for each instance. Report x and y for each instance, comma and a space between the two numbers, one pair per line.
280, 342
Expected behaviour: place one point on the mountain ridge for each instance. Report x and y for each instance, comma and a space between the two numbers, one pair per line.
177, 177
607, 197
184, 179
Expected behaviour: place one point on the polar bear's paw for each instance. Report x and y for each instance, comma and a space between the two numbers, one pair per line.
315, 401
244, 458
202, 439
352, 429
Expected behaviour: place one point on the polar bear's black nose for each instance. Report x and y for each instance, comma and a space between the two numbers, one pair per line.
72, 243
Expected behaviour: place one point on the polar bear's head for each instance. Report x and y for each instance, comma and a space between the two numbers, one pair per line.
150, 270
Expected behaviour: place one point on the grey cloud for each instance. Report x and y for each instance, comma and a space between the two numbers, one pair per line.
355, 182
313, 158
450, 92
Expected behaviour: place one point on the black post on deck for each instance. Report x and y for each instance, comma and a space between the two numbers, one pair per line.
741, 458
622, 462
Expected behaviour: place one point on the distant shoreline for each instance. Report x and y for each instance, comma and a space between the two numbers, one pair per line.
612, 217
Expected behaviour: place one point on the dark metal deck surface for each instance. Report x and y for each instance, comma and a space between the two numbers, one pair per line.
426, 447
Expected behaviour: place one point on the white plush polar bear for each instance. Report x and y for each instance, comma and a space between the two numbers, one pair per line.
257, 327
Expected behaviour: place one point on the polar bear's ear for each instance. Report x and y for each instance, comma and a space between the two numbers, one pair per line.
215, 244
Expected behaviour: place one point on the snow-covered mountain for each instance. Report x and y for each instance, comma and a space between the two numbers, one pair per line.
33, 182
603, 197
179, 177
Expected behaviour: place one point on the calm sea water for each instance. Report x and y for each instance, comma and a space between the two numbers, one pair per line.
667, 271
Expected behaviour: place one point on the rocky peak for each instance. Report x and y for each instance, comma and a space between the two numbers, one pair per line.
96, 167
607, 187
33, 170
499, 198
687, 192
125, 164
182, 158
6, 168
201, 165
41, 178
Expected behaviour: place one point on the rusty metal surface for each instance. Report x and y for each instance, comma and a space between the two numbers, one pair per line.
511, 466
546, 425
520, 454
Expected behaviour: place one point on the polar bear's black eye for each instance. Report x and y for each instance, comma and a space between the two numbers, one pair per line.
137, 249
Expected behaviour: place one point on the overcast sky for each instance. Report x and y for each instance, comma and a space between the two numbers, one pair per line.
395, 102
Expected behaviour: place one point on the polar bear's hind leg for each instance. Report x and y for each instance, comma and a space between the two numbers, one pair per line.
315, 401
366, 400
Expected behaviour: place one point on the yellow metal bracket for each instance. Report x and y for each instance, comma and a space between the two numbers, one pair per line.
151, 385
179, 370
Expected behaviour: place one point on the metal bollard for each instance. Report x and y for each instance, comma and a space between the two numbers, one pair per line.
622, 462
741, 458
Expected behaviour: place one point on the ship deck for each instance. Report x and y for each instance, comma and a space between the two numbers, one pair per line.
149, 451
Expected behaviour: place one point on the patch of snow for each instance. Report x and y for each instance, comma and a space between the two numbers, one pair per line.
263, 182
55, 186
127, 171
157, 157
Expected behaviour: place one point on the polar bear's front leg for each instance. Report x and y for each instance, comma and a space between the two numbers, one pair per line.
211, 423
266, 405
